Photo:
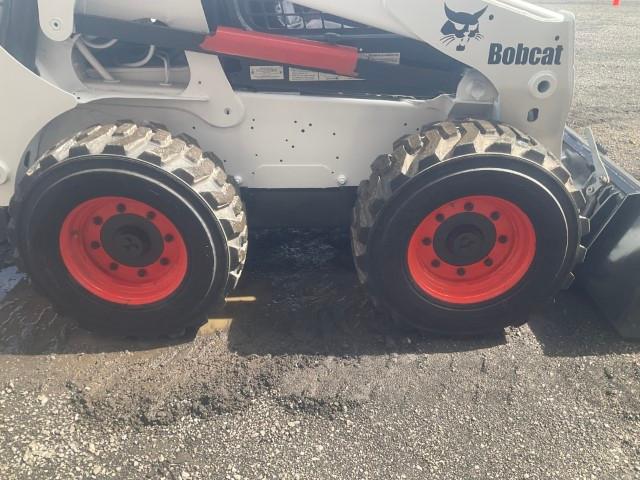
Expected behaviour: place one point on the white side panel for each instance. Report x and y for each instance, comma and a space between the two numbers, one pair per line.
284, 141
28, 104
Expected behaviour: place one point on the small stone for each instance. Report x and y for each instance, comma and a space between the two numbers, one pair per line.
27, 457
43, 400
92, 448
36, 450
97, 469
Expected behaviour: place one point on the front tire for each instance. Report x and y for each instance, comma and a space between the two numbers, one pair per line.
129, 230
465, 227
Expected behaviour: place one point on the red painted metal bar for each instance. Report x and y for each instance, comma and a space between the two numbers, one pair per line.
280, 49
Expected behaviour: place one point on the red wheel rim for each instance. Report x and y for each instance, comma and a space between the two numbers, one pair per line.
499, 265
123, 251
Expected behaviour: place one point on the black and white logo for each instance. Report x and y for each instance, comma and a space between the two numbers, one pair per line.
461, 27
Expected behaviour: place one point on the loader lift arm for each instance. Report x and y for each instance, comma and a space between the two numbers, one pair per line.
233, 42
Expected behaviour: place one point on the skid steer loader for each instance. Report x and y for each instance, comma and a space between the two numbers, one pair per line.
139, 141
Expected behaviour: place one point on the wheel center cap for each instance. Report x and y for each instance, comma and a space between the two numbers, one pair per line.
465, 243
132, 240
133, 244
465, 239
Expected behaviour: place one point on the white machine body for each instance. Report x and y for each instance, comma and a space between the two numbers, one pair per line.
520, 72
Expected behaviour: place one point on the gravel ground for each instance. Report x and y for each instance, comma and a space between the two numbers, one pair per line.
309, 383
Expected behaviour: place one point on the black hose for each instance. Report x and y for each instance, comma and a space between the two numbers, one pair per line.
19, 30
5, 12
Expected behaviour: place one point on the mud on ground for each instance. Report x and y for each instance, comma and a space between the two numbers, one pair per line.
310, 382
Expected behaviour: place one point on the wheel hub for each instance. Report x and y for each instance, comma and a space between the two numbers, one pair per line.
132, 240
123, 251
464, 239
471, 250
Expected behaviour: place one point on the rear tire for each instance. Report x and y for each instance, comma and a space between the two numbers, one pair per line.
129, 230
465, 227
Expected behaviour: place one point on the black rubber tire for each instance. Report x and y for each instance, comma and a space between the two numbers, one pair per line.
145, 163
451, 160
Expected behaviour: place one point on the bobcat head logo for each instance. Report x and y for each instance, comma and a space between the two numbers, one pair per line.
461, 27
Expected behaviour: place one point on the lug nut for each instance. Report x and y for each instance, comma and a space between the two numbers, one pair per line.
142, 273
97, 220
95, 245
488, 262
503, 239
169, 238
435, 263
113, 267
164, 262
495, 216
440, 217
469, 206
462, 272
426, 241
151, 215
121, 208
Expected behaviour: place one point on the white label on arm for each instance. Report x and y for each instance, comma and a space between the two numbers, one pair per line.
393, 58
301, 75
275, 72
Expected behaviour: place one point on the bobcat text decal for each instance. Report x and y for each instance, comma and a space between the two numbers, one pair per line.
522, 55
